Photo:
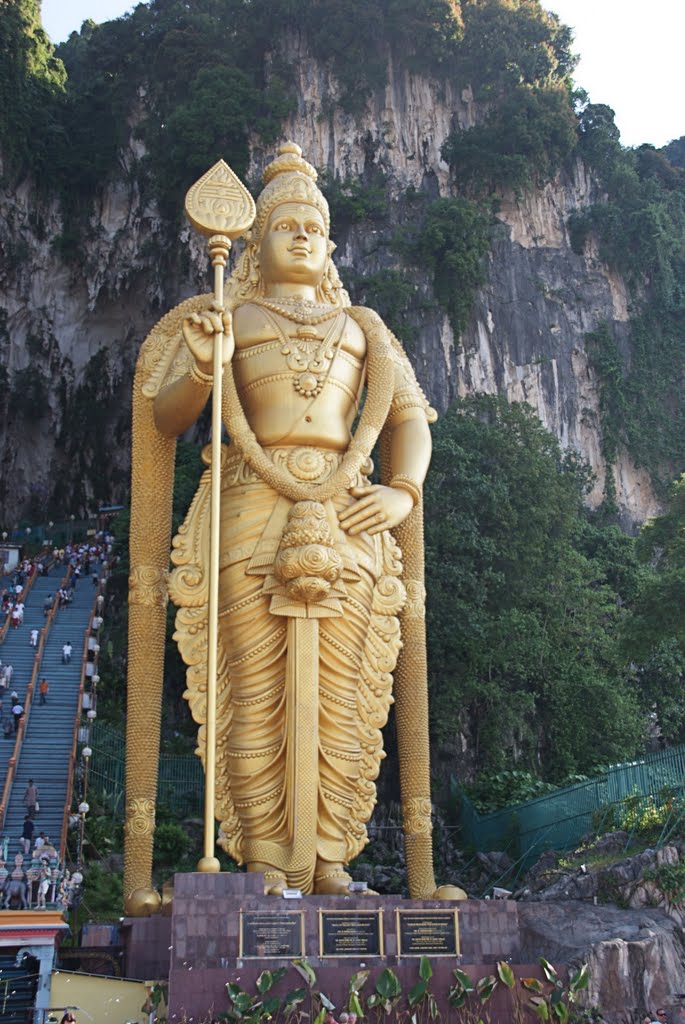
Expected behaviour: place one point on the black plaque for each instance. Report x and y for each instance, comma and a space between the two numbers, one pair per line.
427, 933
263, 934
350, 933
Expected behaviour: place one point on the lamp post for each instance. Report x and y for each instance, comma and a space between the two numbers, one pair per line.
83, 809
72, 517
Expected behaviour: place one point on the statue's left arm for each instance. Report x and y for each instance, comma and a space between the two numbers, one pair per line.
381, 507
406, 456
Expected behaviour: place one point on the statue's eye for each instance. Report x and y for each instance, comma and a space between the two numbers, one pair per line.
315, 229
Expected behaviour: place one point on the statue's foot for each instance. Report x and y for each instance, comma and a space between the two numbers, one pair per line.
331, 879
332, 882
274, 883
274, 880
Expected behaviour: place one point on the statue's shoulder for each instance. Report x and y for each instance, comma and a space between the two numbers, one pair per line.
247, 318
407, 392
164, 356
371, 322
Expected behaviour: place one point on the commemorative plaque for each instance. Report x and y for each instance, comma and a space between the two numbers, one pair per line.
350, 933
427, 933
263, 934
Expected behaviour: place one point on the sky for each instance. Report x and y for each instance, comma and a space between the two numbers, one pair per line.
631, 56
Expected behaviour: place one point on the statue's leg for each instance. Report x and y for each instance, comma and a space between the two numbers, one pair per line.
342, 643
252, 754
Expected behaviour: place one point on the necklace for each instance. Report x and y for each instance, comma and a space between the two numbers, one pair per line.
300, 311
309, 361
380, 386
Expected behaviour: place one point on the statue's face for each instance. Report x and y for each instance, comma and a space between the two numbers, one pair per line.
294, 246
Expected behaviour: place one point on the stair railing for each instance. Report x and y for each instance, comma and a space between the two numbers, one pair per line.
77, 725
16, 753
22, 597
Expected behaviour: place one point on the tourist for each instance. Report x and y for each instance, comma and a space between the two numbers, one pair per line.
31, 798
17, 711
661, 1016
43, 690
47, 605
34, 637
27, 836
66, 653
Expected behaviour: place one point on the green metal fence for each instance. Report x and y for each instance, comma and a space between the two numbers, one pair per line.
555, 821
181, 779
559, 820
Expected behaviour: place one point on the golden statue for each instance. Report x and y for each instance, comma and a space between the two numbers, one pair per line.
314, 590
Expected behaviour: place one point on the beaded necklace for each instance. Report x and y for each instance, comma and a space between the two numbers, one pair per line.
298, 310
309, 356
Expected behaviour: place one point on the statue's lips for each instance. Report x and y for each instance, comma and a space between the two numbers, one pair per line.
300, 250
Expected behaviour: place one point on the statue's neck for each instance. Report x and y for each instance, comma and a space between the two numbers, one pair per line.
290, 290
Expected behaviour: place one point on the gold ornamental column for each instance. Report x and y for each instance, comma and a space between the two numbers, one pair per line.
153, 457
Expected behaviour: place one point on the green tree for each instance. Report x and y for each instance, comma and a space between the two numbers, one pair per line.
523, 140
522, 623
654, 630
32, 81
453, 243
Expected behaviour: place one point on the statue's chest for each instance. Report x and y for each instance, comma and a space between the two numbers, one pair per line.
303, 356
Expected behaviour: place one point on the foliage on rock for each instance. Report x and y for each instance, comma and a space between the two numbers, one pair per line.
522, 622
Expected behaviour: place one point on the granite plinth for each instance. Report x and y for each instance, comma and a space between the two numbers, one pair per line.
204, 950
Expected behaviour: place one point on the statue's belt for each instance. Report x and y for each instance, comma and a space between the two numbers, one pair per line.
304, 463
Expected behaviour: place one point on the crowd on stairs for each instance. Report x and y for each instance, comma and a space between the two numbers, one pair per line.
60, 605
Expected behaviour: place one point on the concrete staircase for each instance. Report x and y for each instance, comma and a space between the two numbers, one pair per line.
46, 749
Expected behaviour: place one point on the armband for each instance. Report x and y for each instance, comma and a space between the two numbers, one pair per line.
199, 377
405, 483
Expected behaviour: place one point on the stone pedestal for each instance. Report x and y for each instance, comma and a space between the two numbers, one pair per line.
201, 942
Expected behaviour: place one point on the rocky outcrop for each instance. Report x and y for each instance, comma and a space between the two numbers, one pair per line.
636, 957
525, 338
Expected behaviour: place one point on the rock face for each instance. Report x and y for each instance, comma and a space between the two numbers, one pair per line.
65, 322
636, 957
636, 954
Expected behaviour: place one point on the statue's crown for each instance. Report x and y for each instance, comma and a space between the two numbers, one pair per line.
289, 159
289, 178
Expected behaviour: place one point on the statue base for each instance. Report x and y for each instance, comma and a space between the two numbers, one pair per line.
222, 928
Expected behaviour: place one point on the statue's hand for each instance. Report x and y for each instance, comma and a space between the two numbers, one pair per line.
378, 508
199, 331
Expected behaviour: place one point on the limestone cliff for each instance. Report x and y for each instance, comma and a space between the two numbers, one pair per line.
70, 328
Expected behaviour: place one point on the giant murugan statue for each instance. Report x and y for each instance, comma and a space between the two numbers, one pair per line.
320, 570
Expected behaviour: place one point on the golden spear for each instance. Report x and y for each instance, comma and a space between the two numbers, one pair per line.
219, 207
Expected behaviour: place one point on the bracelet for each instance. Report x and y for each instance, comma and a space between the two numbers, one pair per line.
405, 483
198, 377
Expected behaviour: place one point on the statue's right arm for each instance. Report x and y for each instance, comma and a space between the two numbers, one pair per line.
179, 404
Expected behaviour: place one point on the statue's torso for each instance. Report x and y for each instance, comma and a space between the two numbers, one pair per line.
268, 375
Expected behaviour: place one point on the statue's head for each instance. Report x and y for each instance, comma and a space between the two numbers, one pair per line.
289, 179
290, 192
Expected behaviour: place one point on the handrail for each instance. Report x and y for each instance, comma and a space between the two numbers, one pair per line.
16, 753
77, 724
